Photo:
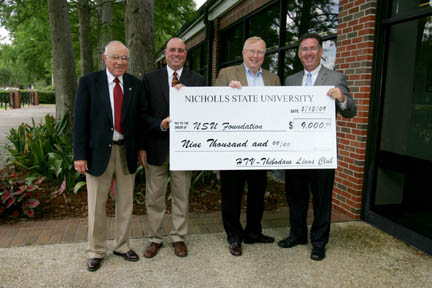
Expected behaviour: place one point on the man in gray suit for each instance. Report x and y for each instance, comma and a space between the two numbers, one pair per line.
318, 182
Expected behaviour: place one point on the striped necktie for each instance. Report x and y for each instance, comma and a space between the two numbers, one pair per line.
175, 80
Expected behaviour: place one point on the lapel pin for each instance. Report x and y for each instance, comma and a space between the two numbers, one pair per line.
130, 89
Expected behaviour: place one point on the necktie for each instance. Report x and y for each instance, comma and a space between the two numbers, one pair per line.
175, 79
309, 79
118, 103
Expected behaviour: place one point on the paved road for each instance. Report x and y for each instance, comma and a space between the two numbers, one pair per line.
12, 118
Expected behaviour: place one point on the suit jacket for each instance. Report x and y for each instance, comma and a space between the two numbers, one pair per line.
238, 73
156, 108
93, 121
329, 77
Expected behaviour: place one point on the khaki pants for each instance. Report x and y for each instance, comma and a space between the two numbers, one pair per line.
98, 188
156, 186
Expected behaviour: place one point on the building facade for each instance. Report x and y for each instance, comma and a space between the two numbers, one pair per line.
384, 48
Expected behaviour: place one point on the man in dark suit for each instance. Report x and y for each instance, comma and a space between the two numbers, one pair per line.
105, 147
249, 73
156, 86
319, 182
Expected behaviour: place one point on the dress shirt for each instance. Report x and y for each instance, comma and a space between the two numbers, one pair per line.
314, 74
111, 84
254, 79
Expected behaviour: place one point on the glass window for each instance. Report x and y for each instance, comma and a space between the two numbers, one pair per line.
266, 25
290, 58
406, 6
271, 62
329, 54
313, 16
407, 115
232, 43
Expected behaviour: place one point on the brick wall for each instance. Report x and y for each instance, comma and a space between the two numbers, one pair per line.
354, 56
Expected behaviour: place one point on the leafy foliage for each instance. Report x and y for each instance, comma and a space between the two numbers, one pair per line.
28, 58
45, 151
18, 196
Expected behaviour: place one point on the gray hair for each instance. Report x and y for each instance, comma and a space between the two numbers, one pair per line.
114, 42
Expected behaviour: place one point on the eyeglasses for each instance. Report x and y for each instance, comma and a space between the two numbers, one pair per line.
117, 58
179, 50
255, 52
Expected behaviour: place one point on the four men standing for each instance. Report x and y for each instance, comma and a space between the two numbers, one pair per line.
117, 117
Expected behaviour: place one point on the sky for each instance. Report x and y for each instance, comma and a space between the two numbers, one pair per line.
199, 3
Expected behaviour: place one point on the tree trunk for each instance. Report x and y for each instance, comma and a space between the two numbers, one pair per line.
105, 15
86, 55
139, 27
63, 60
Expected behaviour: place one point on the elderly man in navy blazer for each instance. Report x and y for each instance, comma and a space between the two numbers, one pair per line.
299, 184
105, 148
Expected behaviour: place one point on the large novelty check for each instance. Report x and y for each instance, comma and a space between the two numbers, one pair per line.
266, 127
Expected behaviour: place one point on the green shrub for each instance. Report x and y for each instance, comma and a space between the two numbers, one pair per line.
46, 97
4, 96
45, 151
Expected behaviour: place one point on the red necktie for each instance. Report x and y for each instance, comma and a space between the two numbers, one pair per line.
118, 103
175, 80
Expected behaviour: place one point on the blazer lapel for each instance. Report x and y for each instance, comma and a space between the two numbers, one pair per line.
127, 94
104, 94
163, 83
241, 75
322, 77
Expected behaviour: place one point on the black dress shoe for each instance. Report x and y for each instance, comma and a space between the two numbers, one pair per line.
291, 242
318, 253
260, 239
94, 264
235, 249
128, 256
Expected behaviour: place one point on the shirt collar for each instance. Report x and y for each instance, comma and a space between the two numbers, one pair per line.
111, 77
259, 73
171, 71
313, 72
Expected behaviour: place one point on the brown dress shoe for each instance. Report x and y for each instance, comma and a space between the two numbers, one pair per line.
94, 264
180, 249
152, 249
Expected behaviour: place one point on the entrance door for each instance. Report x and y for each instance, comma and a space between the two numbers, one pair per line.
402, 185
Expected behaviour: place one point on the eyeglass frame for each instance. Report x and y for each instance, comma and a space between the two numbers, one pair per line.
117, 57
257, 52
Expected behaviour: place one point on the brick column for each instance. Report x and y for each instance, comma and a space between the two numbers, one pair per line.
354, 56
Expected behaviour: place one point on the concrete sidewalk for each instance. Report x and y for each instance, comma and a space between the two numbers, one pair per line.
358, 255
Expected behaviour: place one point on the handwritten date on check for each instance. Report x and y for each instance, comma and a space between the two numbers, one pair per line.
267, 127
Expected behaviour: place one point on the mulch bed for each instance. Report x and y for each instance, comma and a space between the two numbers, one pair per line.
205, 198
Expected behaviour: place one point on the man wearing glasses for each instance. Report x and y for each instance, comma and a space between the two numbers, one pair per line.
249, 73
155, 150
105, 148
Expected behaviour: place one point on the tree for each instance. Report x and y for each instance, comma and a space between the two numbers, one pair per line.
86, 53
105, 9
140, 36
63, 60
169, 17
28, 57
